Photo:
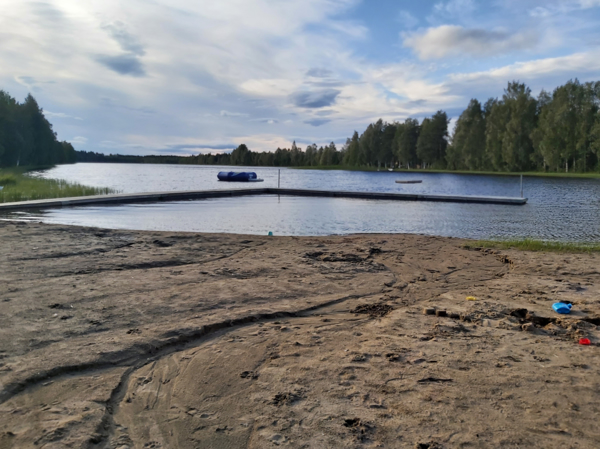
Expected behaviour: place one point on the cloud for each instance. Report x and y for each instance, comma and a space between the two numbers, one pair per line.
407, 19
325, 112
317, 121
60, 115
451, 40
77, 140
27, 81
31, 83
200, 74
109, 144
268, 121
585, 64
128, 42
562, 7
110, 103
315, 99
123, 64
232, 114
47, 12
454, 8
129, 62
199, 147
319, 73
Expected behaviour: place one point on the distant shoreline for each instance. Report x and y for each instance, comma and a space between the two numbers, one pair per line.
589, 175
458, 172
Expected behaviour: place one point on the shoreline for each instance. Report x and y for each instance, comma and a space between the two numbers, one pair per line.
133, 338
586, 175
589, 175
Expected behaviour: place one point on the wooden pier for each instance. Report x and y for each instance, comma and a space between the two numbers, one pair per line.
132, 198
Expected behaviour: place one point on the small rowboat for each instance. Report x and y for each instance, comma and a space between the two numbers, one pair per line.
410, 181
233, 176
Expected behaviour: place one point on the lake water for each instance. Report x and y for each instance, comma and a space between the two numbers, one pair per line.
558, 208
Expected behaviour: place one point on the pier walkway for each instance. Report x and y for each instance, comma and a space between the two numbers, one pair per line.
132, 198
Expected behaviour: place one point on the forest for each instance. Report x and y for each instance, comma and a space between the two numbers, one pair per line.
27, 138
558, 132
555, 132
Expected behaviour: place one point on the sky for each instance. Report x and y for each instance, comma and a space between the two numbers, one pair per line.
187, 77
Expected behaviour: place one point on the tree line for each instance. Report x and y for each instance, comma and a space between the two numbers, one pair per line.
554, 132
26, 137
517, 132
312, 156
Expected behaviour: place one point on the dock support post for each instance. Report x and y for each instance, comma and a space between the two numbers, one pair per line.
521, 186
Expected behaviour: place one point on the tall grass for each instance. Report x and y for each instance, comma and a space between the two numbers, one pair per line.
536, 245
17, 186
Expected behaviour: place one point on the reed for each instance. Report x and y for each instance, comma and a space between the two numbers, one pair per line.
17, 186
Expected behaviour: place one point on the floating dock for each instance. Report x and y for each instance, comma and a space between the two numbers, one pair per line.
133, 198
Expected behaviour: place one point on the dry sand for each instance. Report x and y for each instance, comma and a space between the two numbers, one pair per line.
123, 339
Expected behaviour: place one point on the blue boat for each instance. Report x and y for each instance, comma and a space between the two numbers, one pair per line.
234, 176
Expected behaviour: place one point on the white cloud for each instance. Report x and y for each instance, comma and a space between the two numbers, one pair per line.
110, 144
191, 76
232, 114
585, 64
60, 115
79, 140
454, 8
562, 7
455, 40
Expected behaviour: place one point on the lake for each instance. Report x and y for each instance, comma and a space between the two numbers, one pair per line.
565, 209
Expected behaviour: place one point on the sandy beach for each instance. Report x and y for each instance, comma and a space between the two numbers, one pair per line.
127, 339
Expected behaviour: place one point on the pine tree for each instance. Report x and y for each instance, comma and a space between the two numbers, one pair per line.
353, 152
468, 141
407, 143
432, 143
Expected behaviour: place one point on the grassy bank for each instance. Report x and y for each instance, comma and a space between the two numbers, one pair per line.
459, 172
536, 245
17, 186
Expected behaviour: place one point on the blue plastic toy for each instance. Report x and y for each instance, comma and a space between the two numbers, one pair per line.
561, 307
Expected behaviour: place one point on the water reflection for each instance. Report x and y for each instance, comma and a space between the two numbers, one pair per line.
558, 209
289, 215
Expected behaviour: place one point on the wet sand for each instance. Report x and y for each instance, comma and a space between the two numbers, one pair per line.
125, 339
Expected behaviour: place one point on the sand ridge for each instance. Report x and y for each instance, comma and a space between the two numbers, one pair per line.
147, 339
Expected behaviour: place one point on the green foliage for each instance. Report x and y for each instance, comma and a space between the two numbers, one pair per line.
241, 156
468, 144
26, 137
536, 245
352, 151
516, 133
20, 187
521, 119
568, 131
432, 143
408, 135
8, 179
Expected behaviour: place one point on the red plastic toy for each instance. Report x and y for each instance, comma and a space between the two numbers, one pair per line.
585, 341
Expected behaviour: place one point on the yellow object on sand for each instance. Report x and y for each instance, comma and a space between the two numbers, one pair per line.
472, 298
